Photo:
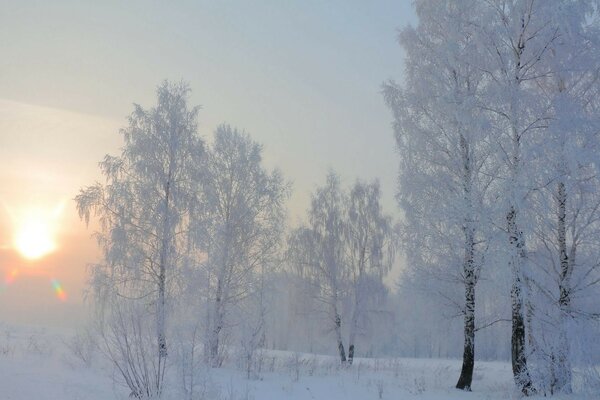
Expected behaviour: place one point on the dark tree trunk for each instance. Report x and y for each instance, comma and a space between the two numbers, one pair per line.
338, 331
470, 276
518, 351
466, 373
350, 354
519, 358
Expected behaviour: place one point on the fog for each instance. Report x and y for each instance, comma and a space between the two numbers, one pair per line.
237, 200
76, 70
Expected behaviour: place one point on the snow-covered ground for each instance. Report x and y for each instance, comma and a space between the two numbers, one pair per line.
36, 363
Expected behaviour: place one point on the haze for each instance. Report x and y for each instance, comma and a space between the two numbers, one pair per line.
302, 78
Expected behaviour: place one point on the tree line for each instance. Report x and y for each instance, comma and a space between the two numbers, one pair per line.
497, 127
192, 236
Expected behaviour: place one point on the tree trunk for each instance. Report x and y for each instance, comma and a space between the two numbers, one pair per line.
217, 326
519, 358
161, 301
161, 336
469, 273
518, 351
352, 337
220, 298
162, 341
564, 374
338, 334
466, 373
354, 321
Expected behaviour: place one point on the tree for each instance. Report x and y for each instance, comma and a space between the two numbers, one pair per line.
317, 252
243, 222
343, 253
567, 188
526, 42
144, 213
370, 243
446, 169
498, 95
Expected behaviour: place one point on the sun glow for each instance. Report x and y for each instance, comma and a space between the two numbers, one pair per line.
35, 233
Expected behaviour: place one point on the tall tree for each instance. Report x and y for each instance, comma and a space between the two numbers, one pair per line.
517, 38
143, 209
445, 171
567, 182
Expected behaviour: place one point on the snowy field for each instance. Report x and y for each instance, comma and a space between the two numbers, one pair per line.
38, 363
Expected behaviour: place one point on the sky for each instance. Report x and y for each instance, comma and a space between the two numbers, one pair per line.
301, 77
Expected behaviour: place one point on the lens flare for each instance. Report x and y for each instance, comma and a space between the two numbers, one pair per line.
58, 290
11, 276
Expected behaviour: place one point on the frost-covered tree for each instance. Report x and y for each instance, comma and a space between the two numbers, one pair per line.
525, 41
342, 254
511, 86
317, 252
143, 209
370, 246
241, 229
442, 137
566, 203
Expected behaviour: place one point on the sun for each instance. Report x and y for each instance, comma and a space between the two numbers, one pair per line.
33, 239
35, 232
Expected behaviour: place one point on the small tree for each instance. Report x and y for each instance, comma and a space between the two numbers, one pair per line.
343, 254
370, 244
318, 254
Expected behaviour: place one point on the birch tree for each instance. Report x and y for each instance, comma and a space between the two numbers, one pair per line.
244, 214
566, 203
143, 210
318, 254
370, 244
518, 37
342, 255
445, 172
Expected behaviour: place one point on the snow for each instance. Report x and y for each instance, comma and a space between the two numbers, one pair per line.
36, 363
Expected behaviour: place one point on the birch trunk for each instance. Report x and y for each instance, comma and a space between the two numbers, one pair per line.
469, 274
518, 355
466, 373
161, 301
338, 335
564, 373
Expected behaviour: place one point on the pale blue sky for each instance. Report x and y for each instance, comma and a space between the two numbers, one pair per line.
302, 77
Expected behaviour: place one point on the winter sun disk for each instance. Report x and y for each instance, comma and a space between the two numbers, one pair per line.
35, 232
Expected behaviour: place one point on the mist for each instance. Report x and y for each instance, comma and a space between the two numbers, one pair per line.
305, 200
